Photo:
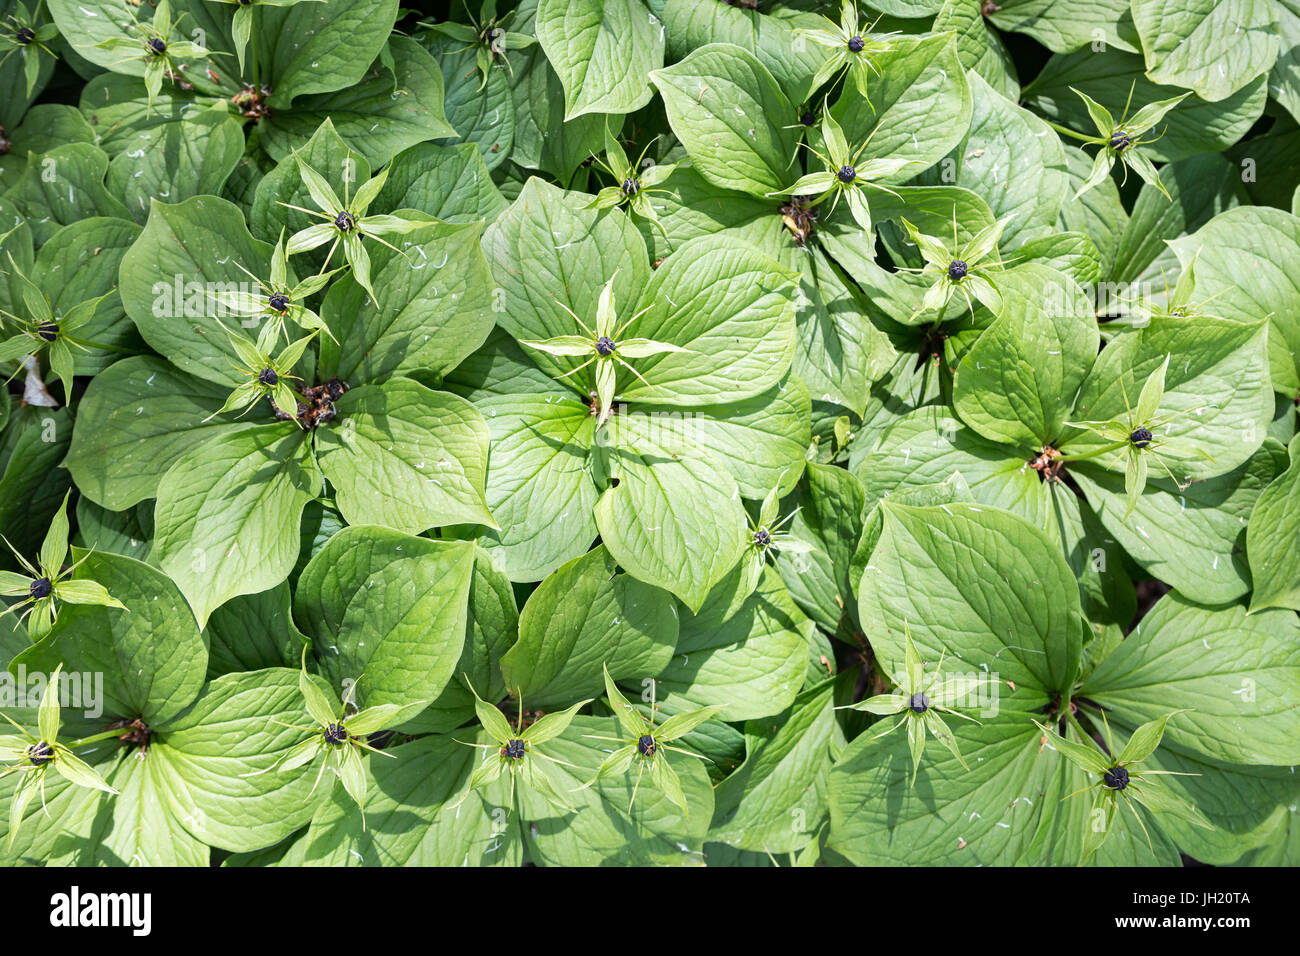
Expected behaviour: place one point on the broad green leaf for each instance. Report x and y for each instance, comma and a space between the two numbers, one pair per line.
724, 105
406, 457
228, 513
674, 523
603, 50
1213, 47
174, 274
388, 611
1064, 28
321, 47
254, 631
65, 186
149, 660
1245, 270
538, 488
983, 584
136, 419
583, 616
776, 800
751, 662
1272, 540
1018, 382
1237, 675
450, 183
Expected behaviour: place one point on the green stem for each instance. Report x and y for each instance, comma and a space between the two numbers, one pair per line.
1115, 446
95, 738
252, 42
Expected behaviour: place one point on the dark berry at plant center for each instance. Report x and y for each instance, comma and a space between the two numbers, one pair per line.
344, 221
41, 588
1119, 141
1141, 437
1116, 778
24, 35
918, 703
49, 331
808, 118
646, 745
847, 174
762, 537
40, 753
157, 46
956, 270
631, 187
279, 302
605, 346
856, 44
336, 734
513, 749
268, 377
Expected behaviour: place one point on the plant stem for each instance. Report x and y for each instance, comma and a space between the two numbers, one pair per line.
95, 738
1115, 446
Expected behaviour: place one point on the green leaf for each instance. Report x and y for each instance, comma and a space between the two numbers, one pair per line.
603, 51
228, 514
1233, 672
1018, 382
387, 611
673, 522
136, 419
407, 457
981, 583
1210, 46
1271, 540
729, 112
751, 661
585, 617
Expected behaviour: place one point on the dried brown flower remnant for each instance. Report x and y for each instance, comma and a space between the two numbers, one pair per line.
1048, 463
799, 216
136, 732
251, 102
316, 407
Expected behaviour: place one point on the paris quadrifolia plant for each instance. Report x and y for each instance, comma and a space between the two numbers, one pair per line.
265, 375
514, 751
47, 583
1119, 779
604, 347
277, 300
32, 757
345, 222
1135, 440
159, 45
920, 701
40, 329
851, 48
338, 739
846, 174
767, 538
645, 744
29, 38
488, 35
635, 182
1123, 140
966, 268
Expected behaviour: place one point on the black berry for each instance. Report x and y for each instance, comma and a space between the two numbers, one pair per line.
808, 118
631, 187
647, 746
336, 734
49, 331
918, 703
24, 35
268, 377
1119, 141
279, 302
856, 44
513, 749
40, 588
605, 346
847, 174
157, 46
1116, 778
345, 222
762, 537
956, 270
1141, 437
40, 753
